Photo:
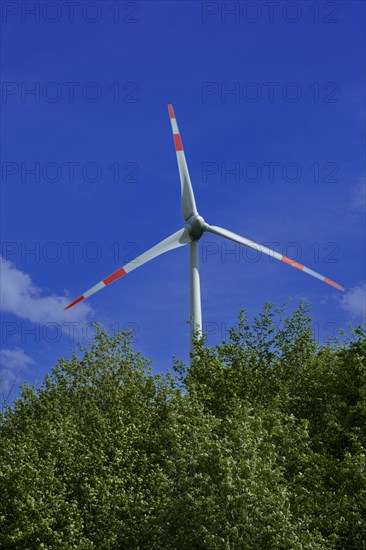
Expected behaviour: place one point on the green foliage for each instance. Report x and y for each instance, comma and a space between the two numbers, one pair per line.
260, 444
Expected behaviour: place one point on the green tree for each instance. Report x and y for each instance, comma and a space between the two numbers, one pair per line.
260, 444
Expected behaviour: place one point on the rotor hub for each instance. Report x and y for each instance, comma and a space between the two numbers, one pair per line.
196, 226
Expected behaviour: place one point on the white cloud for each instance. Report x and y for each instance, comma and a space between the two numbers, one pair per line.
354, 301
12, 363
15, 359
21, 297
358, 201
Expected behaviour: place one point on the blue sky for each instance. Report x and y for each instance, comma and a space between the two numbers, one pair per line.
275, 93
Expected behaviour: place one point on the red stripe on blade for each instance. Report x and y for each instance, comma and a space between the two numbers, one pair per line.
333, 284
74, 302
178, 142
116, 275
171, 112
291, 262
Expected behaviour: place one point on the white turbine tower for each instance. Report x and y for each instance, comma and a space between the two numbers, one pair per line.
190, 234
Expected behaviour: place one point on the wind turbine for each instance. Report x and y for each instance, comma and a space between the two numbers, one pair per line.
195, 227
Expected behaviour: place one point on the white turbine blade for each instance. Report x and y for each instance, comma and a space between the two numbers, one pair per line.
180, 238
246, 242
188, 202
